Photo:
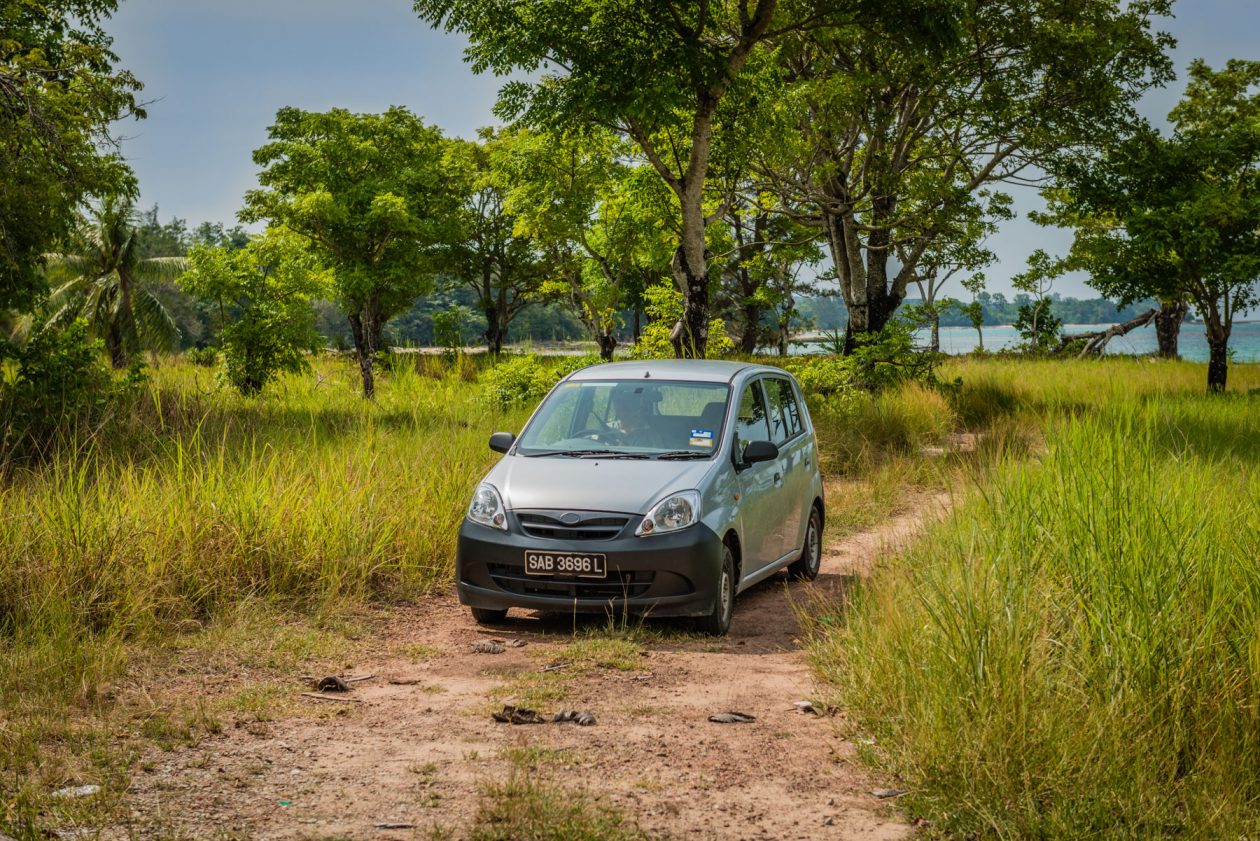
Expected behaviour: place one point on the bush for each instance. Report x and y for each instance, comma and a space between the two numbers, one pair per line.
61, 382
518, 380
882, 361
269, 284
663, 304
206, 357
1038, 326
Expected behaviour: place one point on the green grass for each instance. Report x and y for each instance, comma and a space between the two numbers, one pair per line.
196, 531
196, 521
1075, 652
526, 807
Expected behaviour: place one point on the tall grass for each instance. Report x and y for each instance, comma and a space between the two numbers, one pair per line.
1075, 653
195, 500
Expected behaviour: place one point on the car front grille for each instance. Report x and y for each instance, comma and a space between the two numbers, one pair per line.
586, 526
618, 585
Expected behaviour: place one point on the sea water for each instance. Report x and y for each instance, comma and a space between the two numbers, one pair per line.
1244, 342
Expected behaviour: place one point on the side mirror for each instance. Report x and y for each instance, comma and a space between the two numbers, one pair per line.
501, 442
760, 451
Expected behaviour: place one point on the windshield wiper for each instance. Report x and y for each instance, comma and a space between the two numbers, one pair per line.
682, 454
587, 454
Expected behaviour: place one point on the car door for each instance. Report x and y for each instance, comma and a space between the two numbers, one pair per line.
759, 498
796, 454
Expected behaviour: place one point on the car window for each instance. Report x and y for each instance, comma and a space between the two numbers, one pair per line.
785, 414
751, 424
629, 416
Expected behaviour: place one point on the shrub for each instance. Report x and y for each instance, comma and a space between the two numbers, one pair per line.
518, 380
448, 327
881, 361
206, 357
1038, 326
61, 381
663, 304
269, 286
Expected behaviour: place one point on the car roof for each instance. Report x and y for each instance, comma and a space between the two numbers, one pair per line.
694, 370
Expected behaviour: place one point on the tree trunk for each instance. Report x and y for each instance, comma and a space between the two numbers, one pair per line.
114, 344
752, 319
936, 331
607, 343
364, 352
980, 336
366, 326
637, 329
1168, 326
494, 330
870, 318
690, 335
1218, 362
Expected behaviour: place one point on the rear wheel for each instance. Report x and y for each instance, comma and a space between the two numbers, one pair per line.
488, 615
718, 622
805, 568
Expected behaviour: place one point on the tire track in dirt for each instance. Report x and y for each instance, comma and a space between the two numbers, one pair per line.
418, 750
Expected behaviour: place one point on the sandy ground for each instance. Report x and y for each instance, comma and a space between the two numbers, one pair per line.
417, 744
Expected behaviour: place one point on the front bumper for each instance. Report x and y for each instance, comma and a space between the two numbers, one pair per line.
662, 575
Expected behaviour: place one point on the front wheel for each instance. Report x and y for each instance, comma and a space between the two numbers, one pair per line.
718, 622
805, 568
488, 615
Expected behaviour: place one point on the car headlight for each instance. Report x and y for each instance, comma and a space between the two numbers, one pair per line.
487, 508
671, 514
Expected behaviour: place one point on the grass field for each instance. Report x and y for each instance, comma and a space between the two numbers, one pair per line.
197, 526
193, 502
1075, 651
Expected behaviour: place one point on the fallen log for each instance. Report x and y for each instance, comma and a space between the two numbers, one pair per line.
1096, 342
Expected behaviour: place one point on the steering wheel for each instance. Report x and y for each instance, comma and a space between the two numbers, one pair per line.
607, 433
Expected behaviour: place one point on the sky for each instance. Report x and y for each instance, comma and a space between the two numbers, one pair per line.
215, 73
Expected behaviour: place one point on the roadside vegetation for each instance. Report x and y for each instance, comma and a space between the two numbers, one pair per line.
1072, 651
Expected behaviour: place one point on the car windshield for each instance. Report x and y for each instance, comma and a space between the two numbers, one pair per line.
629, 418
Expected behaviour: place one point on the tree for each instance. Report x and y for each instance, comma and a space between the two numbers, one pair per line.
763, 254
597, 219
961, 251
1177, 218
893, 145
974, 311
105, 281
1035, 322
267, 287
488, 252
668, 74
371, 194
59, 96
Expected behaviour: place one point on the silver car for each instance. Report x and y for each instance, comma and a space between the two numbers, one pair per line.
661, 487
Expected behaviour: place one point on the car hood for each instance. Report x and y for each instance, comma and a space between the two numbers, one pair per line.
625, 486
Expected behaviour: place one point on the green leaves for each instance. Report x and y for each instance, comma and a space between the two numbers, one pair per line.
264, 293
1177, 218
369, 192
61, 94
371, 195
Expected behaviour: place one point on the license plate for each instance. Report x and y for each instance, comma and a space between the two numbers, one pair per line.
579, 564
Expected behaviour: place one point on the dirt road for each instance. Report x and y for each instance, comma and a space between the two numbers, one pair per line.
417, 745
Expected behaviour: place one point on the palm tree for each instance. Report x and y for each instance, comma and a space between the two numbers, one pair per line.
107, 283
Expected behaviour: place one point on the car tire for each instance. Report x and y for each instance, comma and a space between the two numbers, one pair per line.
718, 622
489, 615
805, 568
